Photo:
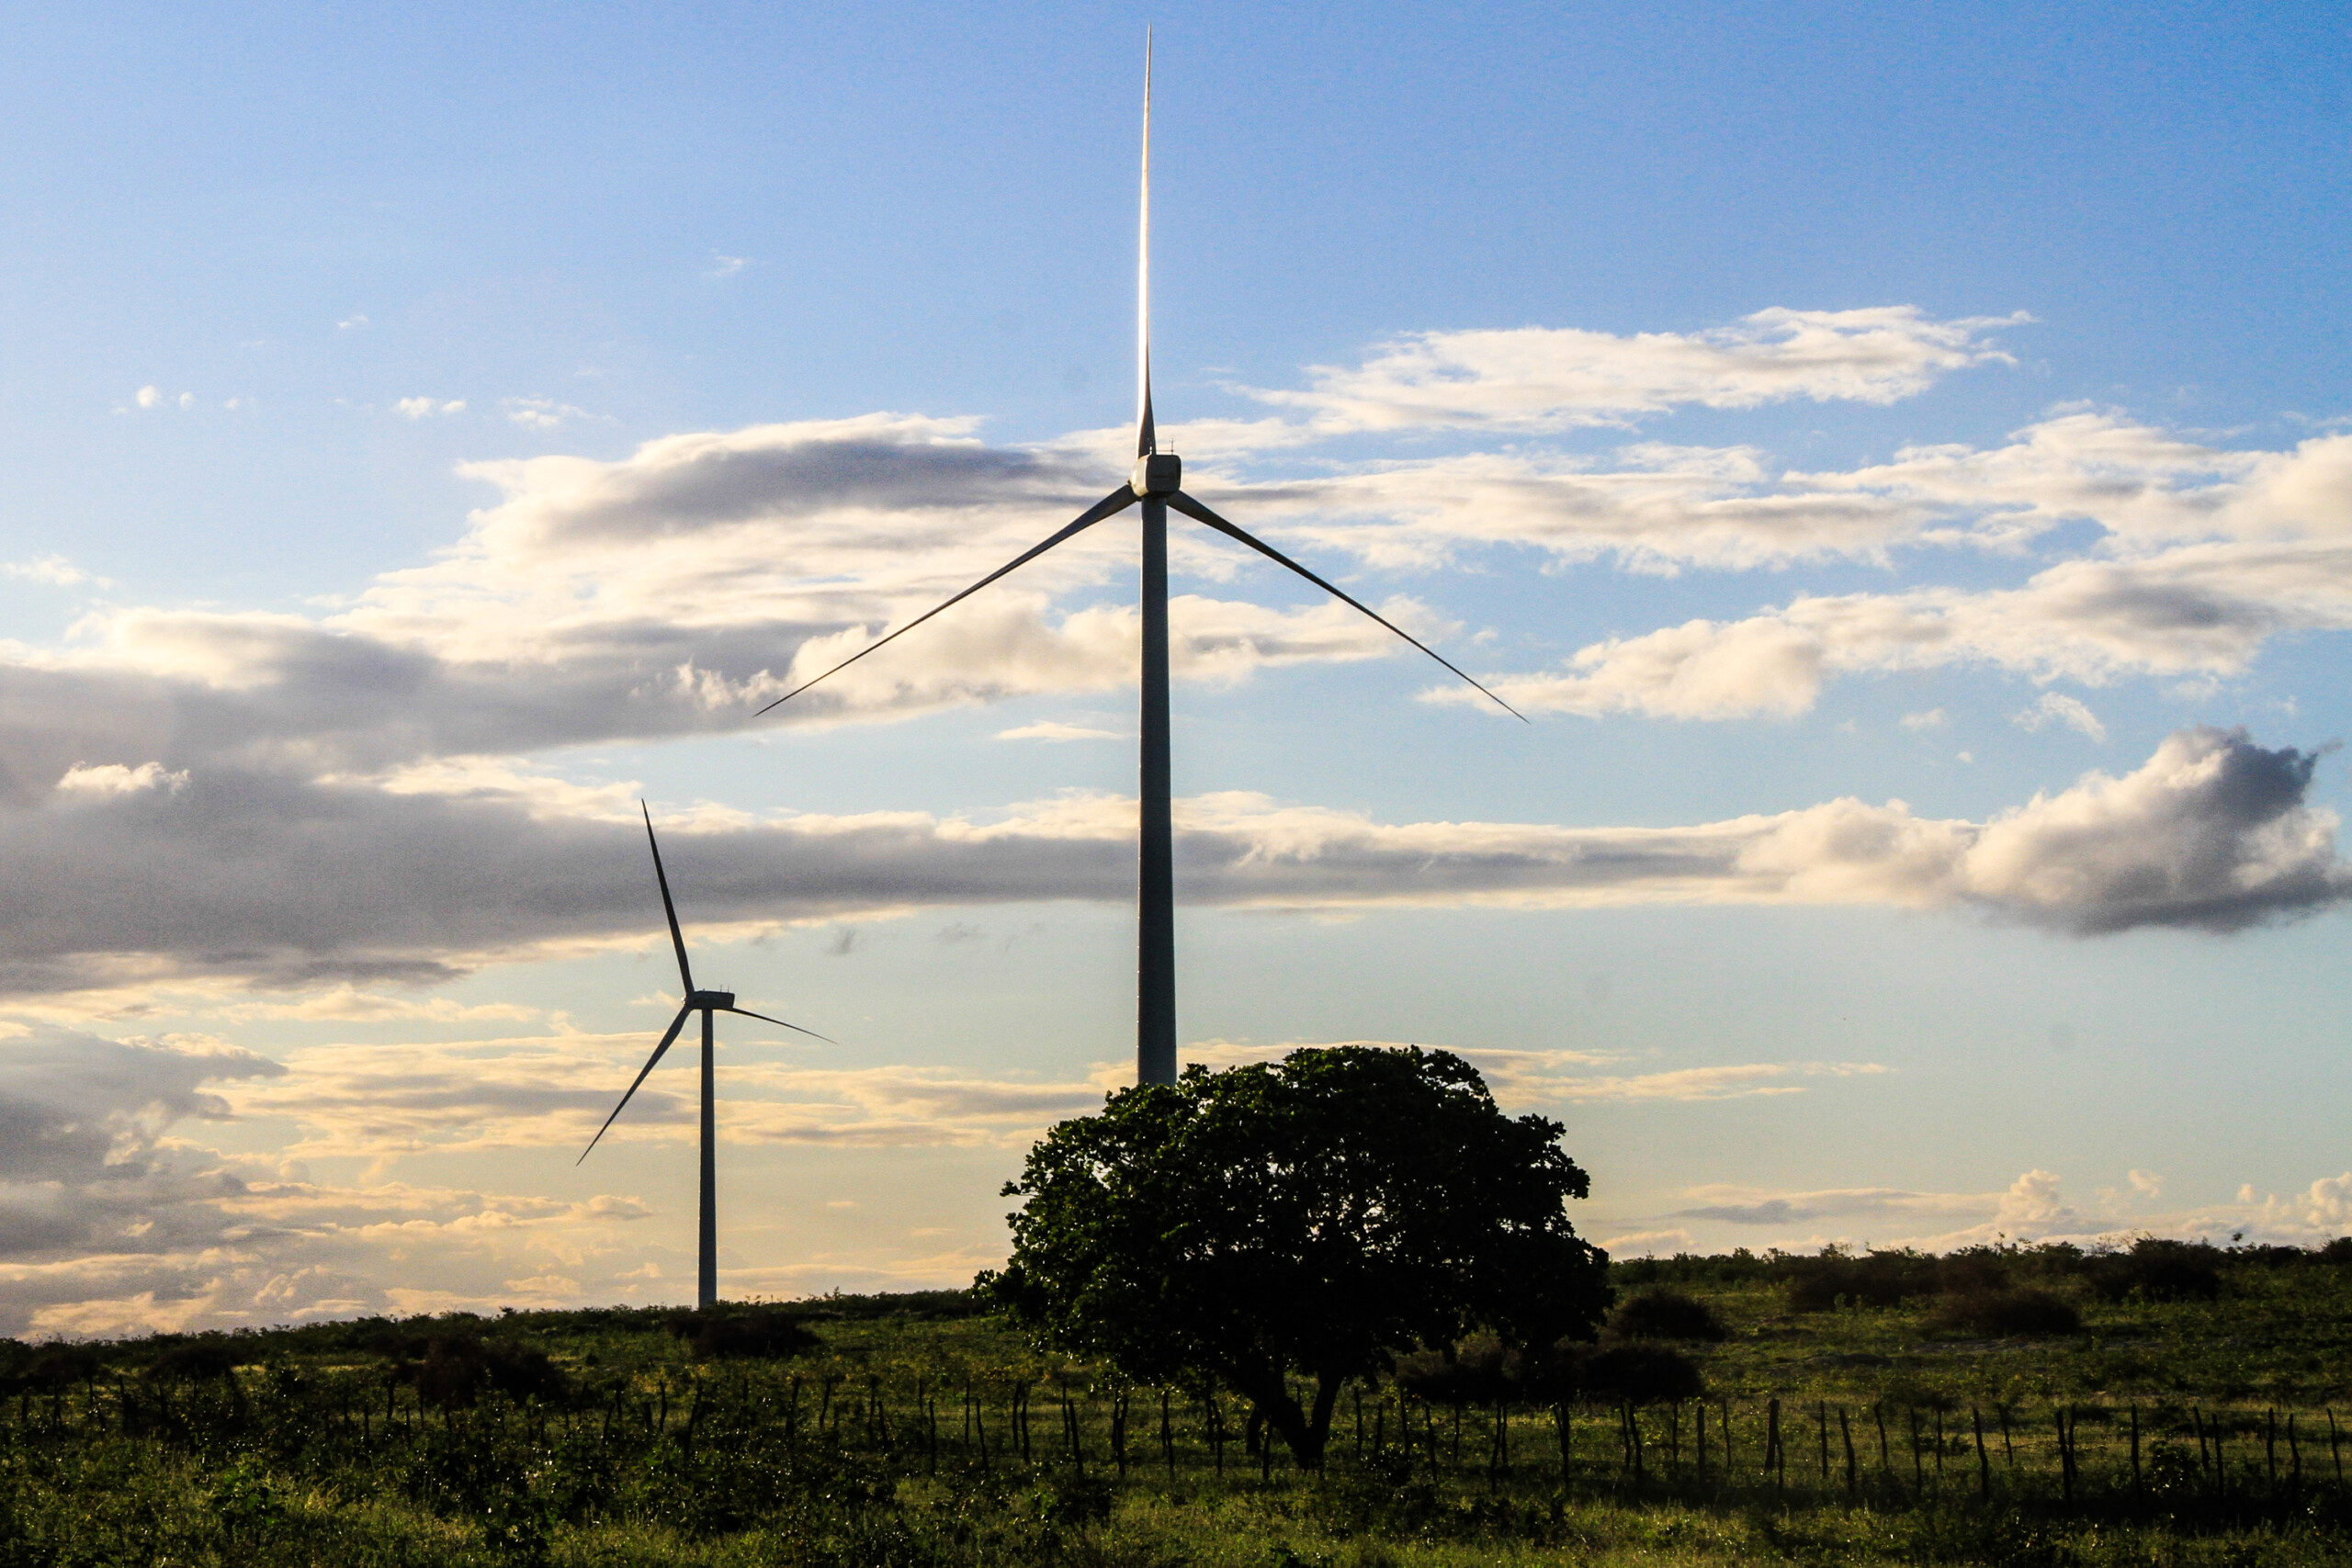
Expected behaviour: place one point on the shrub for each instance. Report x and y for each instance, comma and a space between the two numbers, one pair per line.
56, 1366
759, 1332
2338, 1252
1664, 1314
1973, 1269
2005, 1314
456, 1370
1875, 1279
1479, 1370
2158, 1271
1635, 1374
196, 1360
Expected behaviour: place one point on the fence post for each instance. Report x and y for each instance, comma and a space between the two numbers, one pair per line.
1730, 1473
1167, 1435
2270, 1447
2139, 1493
1847, 1433
1821, 1420
1885, 1457
1984, 1459
1919, 1463
2294, 1456
1775, 1460
2065, 1455
1560, 1418
1700, 1451
2333, 1452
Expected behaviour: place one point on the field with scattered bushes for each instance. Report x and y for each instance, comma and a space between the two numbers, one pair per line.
2163, 1404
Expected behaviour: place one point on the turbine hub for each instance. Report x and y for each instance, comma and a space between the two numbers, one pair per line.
1157, 473
710, 1000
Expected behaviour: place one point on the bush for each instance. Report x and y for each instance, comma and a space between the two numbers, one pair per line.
1875, 1279
2337, 1252
2006, 1314
55, 1366
1973, 1269
1635, 1374
2158, 1271
758, 1332
1664, 1314
457, 1369
196, 1360
1479, 1370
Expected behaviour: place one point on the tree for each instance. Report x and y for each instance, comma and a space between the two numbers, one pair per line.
1313, 1216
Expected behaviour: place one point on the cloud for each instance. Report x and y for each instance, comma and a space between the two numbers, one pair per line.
425, 408
236, 878
1934, 719
114, 779
2056, 707
1052, 730
148, 397
53, 569
538, 413
2206, 557
1536, 379
726, 266
1550, 1077
2032, 1208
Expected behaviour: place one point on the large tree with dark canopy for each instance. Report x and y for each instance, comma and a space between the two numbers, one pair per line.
1307, 1218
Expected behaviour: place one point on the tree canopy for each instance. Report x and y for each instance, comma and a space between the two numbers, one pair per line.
1309, 1217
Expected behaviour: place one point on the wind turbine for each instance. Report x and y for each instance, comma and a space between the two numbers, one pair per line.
709, 1004
1156, 484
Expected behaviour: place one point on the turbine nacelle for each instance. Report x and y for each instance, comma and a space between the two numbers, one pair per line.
724, 1001
1157, 473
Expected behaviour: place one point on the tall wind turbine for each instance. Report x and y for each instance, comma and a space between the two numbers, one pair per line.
709, 1004
1156, 483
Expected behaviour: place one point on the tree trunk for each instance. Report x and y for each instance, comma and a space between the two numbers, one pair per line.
1306, 1432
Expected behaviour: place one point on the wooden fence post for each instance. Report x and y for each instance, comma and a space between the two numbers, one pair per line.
1847, 1433
1984, 1459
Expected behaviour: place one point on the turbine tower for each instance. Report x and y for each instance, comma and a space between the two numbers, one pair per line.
709, 1004
1156, 483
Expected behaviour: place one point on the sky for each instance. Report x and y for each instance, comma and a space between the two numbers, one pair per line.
1898, 457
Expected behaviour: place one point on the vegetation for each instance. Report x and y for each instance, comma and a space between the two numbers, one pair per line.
1309, 1218
923, 1430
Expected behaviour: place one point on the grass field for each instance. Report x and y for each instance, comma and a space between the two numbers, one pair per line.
2168, 1428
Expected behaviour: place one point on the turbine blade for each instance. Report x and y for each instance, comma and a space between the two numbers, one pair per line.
764, 1018
677, 937
1146, 439
1199, 513
670, 1034
1110, 505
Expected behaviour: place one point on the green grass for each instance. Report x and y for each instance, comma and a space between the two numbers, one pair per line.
862, 1453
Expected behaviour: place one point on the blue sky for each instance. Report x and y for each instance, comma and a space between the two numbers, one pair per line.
430, 427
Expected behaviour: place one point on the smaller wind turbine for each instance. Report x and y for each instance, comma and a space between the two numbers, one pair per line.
710, 1004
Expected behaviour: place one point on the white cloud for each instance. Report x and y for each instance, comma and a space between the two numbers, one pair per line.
2056, 707
726, 266
53, 569
148, 397
423, 407
114, 779
1934, 719
1541, 378
1053, 730
2147, 1183
541, 413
